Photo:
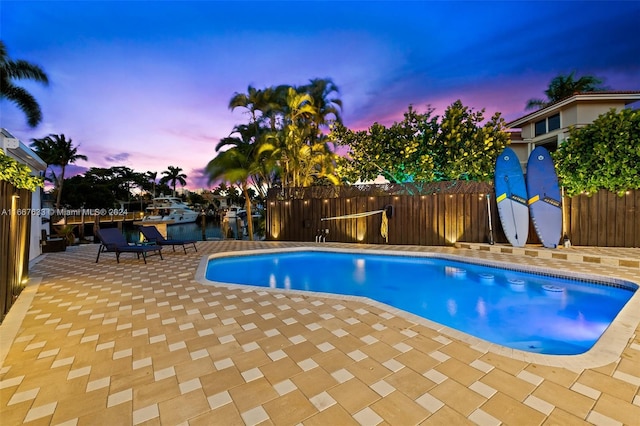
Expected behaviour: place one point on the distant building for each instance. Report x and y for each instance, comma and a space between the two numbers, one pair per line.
20, 152
549, 126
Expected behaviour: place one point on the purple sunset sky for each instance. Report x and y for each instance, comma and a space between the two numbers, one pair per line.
146, 84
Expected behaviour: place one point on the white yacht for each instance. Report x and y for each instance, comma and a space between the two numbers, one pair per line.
170, 209
233, 212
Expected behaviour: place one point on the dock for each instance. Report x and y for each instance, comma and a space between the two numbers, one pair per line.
91, 219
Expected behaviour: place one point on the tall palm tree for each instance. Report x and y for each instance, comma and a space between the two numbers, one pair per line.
151, 177
264, 172
564, 86
252, 101
239, 165
19, 70
57, 150
67, 154
173, 175
328, 108
295, 135
46, 150
292, 119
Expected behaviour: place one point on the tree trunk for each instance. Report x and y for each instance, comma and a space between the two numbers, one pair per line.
60, 182
247, 206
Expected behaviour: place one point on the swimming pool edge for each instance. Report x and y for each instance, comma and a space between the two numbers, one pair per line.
607, 349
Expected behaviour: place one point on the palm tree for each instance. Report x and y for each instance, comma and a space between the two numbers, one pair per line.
292, 120
173, 176
151, 177
240, 165
19, 70
252, 101
56, 150
67, 154
564, 86
321, 90
295, 135
46, 150
264, 172
266, 108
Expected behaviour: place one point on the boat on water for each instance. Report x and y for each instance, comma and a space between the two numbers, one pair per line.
234, 212
171, 210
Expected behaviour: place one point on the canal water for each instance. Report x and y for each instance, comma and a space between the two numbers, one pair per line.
195, 231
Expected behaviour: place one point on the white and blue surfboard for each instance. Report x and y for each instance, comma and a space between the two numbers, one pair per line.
545, 200
511, 197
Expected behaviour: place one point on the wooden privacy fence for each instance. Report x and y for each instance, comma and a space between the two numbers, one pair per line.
423, 214
604, 219
437, 214
15, 229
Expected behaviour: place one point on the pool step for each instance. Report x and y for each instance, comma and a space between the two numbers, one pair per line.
611, 256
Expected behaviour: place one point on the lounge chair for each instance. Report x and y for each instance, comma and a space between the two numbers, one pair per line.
151, 234
113, 241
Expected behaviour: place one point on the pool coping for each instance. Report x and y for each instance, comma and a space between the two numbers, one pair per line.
607, 349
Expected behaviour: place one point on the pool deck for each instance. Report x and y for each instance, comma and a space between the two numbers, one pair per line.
131, 343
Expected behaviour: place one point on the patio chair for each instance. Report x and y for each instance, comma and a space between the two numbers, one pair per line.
151, 234
113, 241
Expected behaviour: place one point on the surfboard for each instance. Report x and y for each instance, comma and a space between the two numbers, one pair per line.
545, 201
511, 197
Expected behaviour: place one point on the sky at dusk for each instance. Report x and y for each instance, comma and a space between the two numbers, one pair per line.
146, 84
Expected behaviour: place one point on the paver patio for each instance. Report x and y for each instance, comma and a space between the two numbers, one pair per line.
131, 343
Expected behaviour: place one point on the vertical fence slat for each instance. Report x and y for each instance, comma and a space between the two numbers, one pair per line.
620, 207
583, 218
440, 218
573, 224
629, 223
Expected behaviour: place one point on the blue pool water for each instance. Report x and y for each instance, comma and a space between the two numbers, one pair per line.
534, 313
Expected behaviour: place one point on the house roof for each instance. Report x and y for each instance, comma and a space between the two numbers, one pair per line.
627, 97
17, 150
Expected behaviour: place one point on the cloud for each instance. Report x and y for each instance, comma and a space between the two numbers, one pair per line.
198, 178
119, 158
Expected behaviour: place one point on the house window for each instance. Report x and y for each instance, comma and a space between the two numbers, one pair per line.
547, 125
553, 122
550, 146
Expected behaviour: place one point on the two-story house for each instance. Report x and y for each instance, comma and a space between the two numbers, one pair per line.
549, 126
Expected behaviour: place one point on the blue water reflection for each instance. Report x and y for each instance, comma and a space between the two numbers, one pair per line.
520, 310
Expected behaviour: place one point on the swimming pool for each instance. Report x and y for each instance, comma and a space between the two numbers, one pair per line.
521, 310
